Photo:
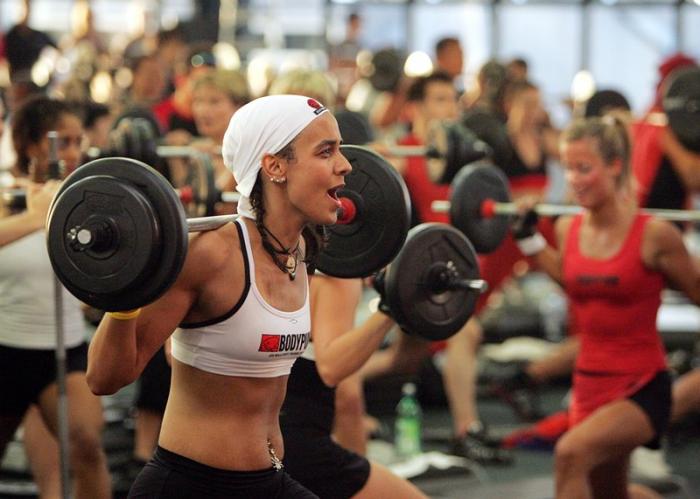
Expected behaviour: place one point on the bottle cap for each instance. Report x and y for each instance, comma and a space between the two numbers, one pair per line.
409, 389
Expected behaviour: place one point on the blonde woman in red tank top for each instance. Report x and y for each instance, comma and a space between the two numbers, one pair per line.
613, 262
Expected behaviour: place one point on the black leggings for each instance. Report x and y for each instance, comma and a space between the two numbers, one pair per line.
654, 398
311, 456
170, 475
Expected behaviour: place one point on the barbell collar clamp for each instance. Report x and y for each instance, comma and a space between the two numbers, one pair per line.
444, 277
479, 285
98, 236
347, 211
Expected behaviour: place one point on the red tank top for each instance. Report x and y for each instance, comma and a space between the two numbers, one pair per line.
423, 191
614, 303
646, 156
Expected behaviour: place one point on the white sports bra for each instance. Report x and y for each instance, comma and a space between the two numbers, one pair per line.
253, 339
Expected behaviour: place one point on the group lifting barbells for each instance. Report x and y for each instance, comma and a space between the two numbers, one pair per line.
449, 146
117, 239
480, 207
198, 192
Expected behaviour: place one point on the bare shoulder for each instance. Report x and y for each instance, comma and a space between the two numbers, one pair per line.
661, 238
561, 229
210, 250
662, 233
346, 288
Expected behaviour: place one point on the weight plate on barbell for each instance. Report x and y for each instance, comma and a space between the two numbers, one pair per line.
383, 217
681, 102
472, 185
201, 178
354, 128
148, 233
419, 300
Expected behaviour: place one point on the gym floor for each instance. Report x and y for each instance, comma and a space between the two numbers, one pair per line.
529, 477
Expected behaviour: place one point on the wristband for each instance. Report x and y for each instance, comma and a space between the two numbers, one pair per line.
532, 245
125, 315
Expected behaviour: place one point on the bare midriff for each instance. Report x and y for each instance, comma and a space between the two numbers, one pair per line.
225, 422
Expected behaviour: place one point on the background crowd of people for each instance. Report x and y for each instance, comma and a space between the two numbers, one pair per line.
188, 92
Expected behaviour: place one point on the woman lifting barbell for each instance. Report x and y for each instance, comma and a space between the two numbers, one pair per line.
613, 264
27, 324
220, 434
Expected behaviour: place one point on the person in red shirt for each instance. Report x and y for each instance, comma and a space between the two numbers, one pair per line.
613, 262
665, 170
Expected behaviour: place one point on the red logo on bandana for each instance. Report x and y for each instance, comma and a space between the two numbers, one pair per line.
269, 343
316, 105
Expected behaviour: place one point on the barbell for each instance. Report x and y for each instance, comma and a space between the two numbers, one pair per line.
433, 284
117, 239
450, 144
198, 192
480, 206
117, 232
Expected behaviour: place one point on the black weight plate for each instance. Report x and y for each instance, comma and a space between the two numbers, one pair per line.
604, 101
118, 143
492, 130
420, 307
132, 135
170, 249
118, 267
681, 103
354, 128
379, 230
387, 69
472, 185
201, 178
459, 146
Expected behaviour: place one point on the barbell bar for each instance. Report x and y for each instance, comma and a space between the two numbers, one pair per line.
117, 239
117, 231
16, 198
480, 205
491, 208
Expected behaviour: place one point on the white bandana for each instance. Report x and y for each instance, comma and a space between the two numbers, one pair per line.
263, 126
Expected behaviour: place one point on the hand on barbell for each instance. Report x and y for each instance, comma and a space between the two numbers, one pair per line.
378, 285
524, 223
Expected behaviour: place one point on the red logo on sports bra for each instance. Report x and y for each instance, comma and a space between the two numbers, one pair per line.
269, 343
283, 342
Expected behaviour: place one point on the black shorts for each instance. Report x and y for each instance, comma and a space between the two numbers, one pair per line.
654, 398
154, 384
323, 466
27, 372
310, 454
172, 476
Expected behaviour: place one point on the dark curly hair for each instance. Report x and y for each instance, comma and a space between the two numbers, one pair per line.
314, 236
32, 121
